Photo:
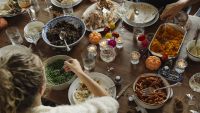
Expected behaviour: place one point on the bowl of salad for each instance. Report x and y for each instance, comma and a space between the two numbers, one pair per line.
57, 77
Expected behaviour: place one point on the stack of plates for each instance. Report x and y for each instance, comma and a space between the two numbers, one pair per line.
140, 14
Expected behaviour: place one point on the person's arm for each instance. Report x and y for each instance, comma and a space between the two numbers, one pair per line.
172, 9
93, 86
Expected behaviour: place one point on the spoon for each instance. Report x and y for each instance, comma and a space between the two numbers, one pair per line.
151, 90
62, 36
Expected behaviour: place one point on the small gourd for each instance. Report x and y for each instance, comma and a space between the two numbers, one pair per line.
3, 23
94, 37
153, 63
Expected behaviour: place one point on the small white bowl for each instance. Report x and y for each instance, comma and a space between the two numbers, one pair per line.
190, 44
63, 85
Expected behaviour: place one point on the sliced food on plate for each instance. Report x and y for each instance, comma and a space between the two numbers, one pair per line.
9, 8
100, 14
78, 92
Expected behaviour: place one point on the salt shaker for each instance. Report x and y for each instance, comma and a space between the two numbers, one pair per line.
118, 81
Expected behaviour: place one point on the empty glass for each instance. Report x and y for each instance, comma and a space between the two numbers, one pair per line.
68, 8
122, 12
88, 60
108, 54
137, 31
14, 35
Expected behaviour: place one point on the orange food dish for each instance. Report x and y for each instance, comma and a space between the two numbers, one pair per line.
167, 40
151, 81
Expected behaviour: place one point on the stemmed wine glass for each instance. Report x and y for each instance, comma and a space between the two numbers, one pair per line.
68, 8
121, 13
108, 54
48, 6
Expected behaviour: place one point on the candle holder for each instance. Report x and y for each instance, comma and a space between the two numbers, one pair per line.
92, 49
103, 43
135, 56
119, 43
181, 64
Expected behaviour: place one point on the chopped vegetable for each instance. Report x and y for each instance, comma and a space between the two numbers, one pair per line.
56, 74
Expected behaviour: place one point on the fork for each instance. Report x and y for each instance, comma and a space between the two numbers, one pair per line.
150, 90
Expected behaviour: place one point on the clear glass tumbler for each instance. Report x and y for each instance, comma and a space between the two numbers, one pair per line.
88, 60
14, 35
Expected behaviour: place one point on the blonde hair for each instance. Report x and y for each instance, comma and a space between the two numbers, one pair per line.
21, 77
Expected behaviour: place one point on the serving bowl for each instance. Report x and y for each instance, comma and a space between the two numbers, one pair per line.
189, 46
50, 84
148, 105
78, 23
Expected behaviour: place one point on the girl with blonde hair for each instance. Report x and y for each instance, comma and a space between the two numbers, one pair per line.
22, 84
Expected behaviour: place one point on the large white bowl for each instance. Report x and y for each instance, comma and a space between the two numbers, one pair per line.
63, 85
190, 44
151, 106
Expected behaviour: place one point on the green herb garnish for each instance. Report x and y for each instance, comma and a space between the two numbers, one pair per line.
56, 74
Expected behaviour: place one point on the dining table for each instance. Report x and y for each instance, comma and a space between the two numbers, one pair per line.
121, 65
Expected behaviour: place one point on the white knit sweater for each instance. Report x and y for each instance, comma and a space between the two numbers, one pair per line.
95, 105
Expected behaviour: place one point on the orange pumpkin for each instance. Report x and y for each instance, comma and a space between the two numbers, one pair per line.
3, 23
94, 37
153, 63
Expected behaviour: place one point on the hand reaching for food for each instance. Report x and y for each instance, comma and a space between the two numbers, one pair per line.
73, 65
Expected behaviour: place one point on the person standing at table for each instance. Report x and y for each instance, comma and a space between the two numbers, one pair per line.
22, 84
172, 9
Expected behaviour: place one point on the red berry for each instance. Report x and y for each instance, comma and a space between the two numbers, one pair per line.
115, 34
141, 38
106, 29
164, 57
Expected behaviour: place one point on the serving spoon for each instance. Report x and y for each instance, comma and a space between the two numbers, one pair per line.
150, 90
62, 36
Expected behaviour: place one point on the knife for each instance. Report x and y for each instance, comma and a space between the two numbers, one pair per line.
123, 90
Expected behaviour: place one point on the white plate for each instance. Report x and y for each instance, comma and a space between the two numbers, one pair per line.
92, 8
105, 82
145, 18
58, 4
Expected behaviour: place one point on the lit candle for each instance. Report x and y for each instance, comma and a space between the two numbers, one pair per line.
92, 49
103, 43
135, 56
119, 42
181, 64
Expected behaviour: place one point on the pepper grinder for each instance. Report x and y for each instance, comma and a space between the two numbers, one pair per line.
118, 81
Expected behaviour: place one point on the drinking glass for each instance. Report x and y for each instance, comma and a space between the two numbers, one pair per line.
88, 60
122, 12
108, 55
14, 35
137, 31
48, 6
68, 8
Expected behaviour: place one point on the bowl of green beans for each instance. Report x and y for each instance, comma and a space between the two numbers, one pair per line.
57, 77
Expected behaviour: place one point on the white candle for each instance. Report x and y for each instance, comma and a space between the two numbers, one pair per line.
181, 64
103, 43
92, 49
119, 42
135, 56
